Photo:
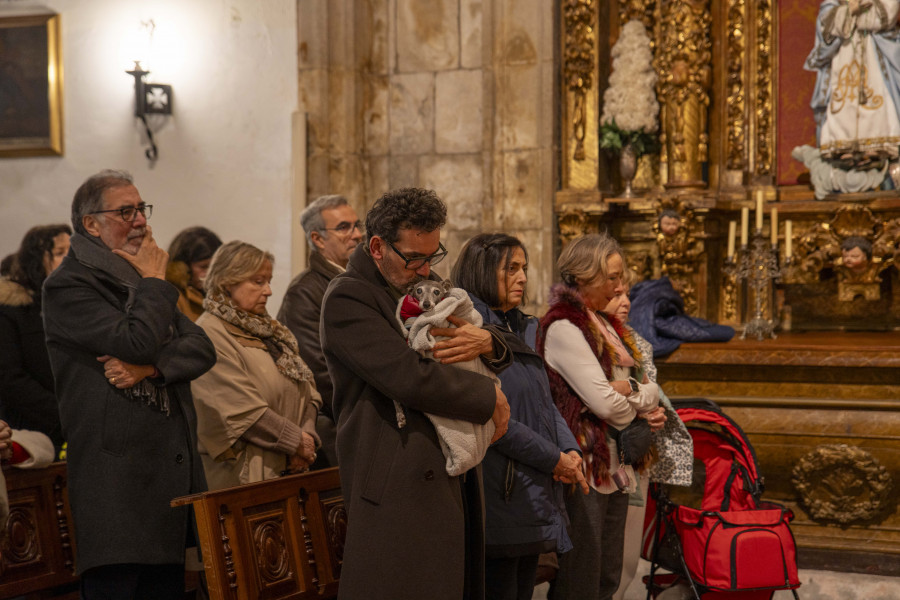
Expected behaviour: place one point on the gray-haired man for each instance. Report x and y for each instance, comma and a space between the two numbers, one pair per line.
333, 231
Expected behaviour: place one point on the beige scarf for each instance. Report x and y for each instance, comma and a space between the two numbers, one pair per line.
279, 341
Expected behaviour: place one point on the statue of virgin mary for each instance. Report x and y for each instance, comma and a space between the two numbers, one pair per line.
857, 95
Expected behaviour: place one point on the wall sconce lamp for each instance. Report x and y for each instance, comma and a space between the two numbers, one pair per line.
149, 99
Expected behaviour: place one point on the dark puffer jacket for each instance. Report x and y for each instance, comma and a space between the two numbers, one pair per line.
525, 512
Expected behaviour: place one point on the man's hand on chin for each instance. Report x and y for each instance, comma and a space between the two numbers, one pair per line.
150, 260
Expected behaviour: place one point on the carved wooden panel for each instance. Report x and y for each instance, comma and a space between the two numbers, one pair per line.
277, 539
36, 552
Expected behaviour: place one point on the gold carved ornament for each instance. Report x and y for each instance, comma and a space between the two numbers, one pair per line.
572, 223
735, 85
684, 68
819, 250
679, 249
843, 484
764, 87
579, 63
642, 10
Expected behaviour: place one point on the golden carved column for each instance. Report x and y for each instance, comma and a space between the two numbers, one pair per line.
580, 110
684, 67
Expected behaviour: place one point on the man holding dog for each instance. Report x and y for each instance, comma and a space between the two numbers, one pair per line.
413, 530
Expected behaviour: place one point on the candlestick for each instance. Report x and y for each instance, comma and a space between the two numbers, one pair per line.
788, 240
774, 226
745, 223
759, 209
732, 230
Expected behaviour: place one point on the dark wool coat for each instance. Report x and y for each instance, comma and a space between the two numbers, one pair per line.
407, 531
300, 311
525, 509
126, 460
27, 400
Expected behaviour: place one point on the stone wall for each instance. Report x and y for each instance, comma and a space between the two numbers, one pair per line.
454, 95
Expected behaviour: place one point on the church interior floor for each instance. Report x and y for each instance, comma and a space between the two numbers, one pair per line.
815, 585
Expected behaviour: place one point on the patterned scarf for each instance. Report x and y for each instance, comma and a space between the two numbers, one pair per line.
279, 341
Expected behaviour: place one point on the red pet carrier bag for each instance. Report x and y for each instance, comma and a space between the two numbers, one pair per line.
734, 546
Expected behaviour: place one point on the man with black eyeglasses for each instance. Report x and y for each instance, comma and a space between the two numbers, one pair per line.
333, 231
123, 358
413, 530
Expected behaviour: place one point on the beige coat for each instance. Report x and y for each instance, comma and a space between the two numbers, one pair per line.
233, 395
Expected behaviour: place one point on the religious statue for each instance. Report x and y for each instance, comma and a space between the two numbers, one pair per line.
680, 245
854, 246
856, 252
669, 222
856, 99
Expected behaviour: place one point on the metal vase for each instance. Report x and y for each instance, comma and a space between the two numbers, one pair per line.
627, 169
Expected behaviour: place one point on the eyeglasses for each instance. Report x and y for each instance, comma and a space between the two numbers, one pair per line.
345, 227
129, 213
419, 261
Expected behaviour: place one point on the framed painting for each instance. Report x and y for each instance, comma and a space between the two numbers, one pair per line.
30, 86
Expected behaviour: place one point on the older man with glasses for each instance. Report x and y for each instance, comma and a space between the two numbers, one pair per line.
123, 358
413, 530
333, 231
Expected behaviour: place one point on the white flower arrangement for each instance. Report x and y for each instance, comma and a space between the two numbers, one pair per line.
630, 108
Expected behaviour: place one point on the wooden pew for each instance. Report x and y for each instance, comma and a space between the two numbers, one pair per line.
38, 549
278, 539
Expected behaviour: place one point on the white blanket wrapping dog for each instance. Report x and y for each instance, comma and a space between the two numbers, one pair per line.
464, 444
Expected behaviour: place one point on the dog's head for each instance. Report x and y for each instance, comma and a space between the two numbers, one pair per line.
428, 293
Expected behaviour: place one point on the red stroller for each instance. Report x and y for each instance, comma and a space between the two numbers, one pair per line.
735, 546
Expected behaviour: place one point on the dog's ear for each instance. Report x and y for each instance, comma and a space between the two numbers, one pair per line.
446, 284
410, 287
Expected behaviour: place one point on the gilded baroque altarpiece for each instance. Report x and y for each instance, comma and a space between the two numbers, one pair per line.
734, 101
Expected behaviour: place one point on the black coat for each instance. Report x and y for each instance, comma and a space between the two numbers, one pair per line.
27, 400
411, 526
300, 311
126, 459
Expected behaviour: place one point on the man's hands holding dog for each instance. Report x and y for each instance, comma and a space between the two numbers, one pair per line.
464, 342
500, 416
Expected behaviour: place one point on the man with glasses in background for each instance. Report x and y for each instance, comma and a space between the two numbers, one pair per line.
123, 358
333, 231
413, 530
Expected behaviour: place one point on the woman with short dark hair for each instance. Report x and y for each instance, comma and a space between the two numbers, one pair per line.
189, 256
525, 513
27, 398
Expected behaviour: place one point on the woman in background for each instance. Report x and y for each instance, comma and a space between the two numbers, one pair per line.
257, 407
525, 511
675, 449
27, 398
189, 256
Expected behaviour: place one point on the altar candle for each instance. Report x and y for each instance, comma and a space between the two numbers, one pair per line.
788, 241
774, 225
745, 223
759, 209
732, 231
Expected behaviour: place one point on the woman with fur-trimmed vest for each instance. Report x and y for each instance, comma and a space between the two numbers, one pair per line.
27, 398
597, 383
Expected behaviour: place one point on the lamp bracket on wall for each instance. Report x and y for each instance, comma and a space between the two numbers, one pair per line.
150, 99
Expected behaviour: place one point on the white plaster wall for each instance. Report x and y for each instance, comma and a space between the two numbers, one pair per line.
224, 156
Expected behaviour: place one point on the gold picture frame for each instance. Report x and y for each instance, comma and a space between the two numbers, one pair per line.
30, 86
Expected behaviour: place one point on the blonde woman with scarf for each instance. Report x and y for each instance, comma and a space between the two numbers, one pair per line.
597, 382
257, 407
